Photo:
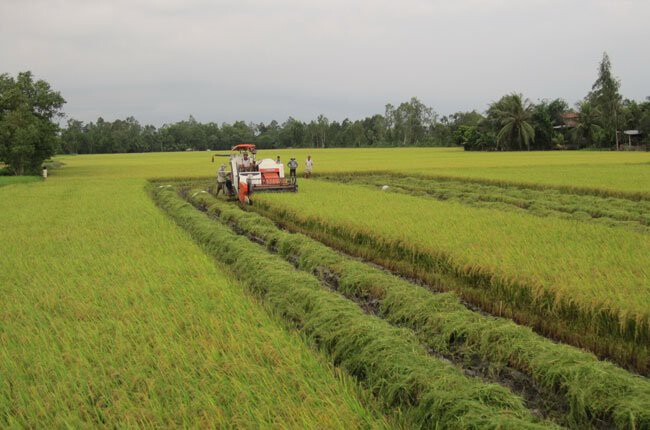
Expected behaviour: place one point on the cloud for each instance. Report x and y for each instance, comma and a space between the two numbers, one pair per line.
260, 60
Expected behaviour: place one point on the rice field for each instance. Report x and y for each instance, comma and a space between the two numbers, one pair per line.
563, 382
388, 361
610, 211
9, 180
609, 172
112, 317
131, 297
514, 263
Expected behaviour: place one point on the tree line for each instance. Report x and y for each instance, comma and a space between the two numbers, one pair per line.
509, 124
30, 133
409, 124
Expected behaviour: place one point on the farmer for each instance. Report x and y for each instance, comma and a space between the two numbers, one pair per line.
221, 179
246, 163
309, 166
277, 160
293, 165
44, 172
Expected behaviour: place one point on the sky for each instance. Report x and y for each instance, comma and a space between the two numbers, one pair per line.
255, 60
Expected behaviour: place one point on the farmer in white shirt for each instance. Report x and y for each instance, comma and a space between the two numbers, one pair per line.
221, 180
309, 166
246, 163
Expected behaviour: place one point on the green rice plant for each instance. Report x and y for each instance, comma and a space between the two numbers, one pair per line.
605, 179
607, 173
582, 283
594, 392
549, 202
105, 274
111, 317
389, 361
10, 180
593, 180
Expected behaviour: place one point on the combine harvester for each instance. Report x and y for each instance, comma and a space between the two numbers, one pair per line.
248, 175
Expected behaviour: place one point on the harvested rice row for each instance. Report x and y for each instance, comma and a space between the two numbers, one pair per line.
556, 278
594, 392
534, 182
610, 211
389, 361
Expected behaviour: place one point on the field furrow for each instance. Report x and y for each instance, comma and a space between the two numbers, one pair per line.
563, 382
553, 275
389, 361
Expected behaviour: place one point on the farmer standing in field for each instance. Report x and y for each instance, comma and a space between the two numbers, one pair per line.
221, 180
309, 165
292, 165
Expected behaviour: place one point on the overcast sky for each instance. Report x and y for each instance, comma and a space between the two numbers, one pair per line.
256, 60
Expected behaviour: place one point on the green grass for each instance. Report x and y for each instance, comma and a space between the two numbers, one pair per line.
565, 268
111, 317
592, 391
389, 361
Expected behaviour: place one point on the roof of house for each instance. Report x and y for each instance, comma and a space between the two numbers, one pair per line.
570, 115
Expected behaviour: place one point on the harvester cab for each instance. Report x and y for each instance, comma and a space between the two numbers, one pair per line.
248, 175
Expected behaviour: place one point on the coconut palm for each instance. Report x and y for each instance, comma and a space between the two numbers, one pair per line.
513, 115
587, 124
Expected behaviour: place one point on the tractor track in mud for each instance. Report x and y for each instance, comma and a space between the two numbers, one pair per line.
541, 403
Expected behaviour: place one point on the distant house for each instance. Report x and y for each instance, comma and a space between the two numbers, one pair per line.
563, 139
569, 120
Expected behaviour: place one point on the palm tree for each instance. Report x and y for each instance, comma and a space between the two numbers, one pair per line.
587, 124
514, 114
